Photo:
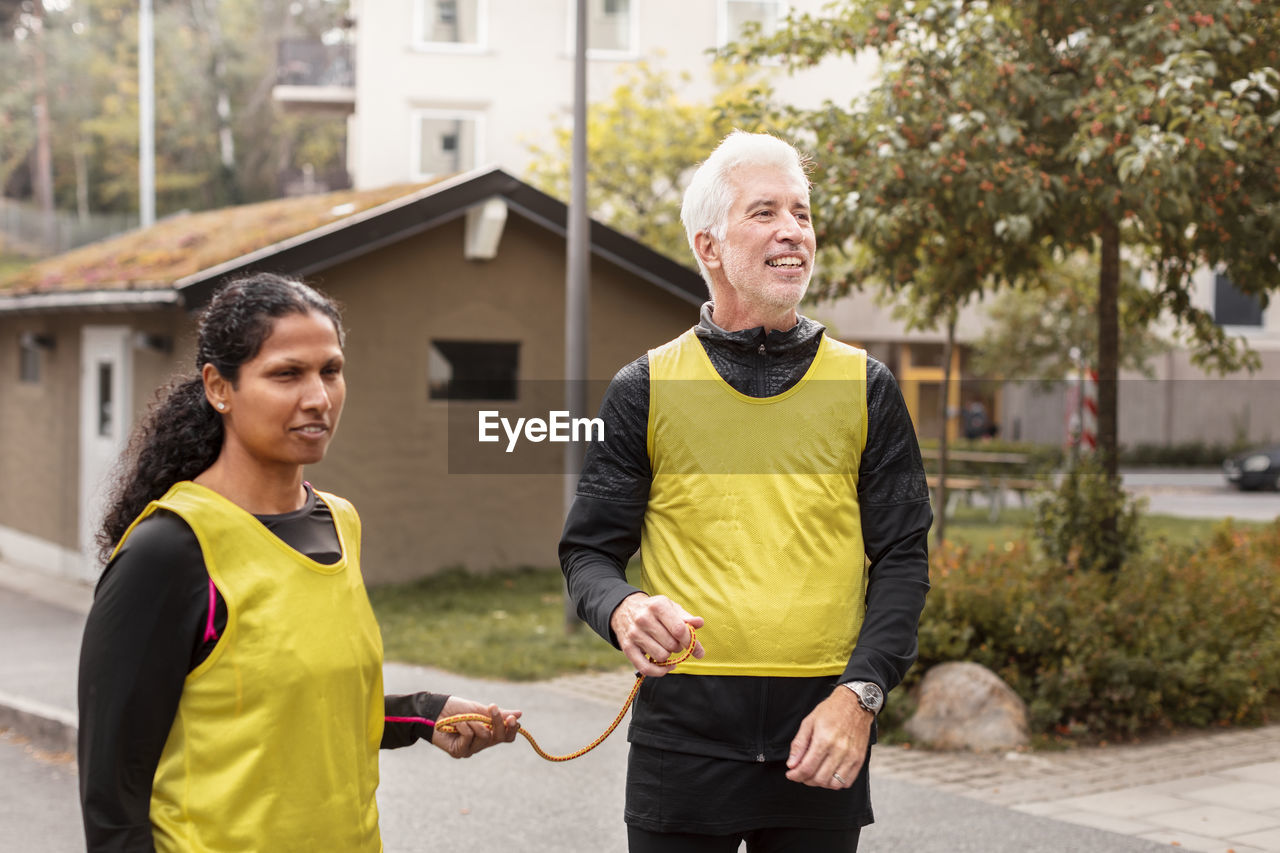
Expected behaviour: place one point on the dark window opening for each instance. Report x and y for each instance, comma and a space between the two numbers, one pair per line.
105, 425
473, 370
1233, 307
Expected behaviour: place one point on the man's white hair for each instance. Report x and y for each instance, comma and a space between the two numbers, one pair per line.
710, 194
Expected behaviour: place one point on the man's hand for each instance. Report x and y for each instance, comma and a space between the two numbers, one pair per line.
832, 742
473, 737
655, 626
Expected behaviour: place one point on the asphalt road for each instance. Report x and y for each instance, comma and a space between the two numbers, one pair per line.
1199, 493
509, 799
424, 809
39, 804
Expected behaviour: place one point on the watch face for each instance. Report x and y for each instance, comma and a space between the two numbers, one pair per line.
872, 696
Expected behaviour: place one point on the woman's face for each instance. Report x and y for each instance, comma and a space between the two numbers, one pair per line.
285, 407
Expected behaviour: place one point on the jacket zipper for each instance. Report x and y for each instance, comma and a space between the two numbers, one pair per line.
760, 363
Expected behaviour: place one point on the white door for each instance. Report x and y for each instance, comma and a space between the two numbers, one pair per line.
106, 409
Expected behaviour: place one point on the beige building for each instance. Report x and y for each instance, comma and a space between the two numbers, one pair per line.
1178, 404
454, 298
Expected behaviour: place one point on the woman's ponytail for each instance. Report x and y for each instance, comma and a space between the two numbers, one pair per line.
180, 436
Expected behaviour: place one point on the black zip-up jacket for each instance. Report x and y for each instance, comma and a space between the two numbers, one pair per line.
742, 717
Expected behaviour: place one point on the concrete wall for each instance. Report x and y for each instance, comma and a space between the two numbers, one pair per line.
1179, 405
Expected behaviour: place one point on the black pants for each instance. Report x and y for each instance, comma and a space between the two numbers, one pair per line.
778, 840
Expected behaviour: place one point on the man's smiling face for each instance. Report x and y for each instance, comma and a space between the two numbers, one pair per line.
767, 251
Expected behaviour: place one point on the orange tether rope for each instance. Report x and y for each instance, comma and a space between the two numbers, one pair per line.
447, 724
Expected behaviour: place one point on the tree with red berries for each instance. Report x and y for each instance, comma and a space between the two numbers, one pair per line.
1004, 135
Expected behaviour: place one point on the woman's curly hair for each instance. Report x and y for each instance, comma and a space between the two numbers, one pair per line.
181, 435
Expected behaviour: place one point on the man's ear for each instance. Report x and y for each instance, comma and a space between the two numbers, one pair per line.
708, 249
217, 390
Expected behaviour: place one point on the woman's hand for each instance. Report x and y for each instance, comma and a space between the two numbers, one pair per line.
471, 737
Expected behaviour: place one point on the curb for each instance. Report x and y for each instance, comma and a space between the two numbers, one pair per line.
45, 726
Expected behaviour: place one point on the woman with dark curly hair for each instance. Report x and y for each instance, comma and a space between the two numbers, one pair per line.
231, 671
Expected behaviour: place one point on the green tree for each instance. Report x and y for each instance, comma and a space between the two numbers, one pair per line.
641, 144
220, 139
1001, 132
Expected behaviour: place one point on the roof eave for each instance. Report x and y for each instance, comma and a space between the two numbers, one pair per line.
88, 300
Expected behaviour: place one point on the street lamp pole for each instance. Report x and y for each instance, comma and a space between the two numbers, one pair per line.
577, 289
146, 115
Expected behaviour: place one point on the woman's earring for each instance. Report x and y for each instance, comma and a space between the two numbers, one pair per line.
221, 406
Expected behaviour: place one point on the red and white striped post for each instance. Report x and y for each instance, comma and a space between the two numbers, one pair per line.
1088, 438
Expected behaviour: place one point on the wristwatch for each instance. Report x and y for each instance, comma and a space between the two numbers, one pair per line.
870, 696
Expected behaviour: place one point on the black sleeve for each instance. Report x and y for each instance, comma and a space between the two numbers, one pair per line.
417, 707
142, 632
602, 529
894, 500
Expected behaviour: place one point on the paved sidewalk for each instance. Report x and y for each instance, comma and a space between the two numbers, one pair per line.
1216, 791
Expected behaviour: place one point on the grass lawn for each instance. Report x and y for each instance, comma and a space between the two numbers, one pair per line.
510, 625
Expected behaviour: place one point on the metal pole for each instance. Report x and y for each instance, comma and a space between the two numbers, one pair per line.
44, 139
146, 116
577, 291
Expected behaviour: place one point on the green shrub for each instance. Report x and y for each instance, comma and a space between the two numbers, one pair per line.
1189, 453
1180, 637
1088, 522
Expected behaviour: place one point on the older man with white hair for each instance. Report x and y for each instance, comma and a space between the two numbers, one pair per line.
771, 479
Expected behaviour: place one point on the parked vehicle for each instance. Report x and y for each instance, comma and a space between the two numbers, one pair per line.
1254, 469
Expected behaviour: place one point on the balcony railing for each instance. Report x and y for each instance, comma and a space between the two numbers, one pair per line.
313, 63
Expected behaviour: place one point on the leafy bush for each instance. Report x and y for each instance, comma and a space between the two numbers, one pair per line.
1180, 637
1088, 522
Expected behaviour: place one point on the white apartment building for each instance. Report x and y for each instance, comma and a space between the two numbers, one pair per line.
448, 85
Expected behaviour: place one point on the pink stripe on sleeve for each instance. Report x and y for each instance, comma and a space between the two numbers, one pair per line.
210, 632
422, 720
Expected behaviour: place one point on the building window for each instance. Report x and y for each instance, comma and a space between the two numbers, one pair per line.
105, 408
1232, 307
31, 349
450, 24
445, 143
611, 27
472, 370
735, 14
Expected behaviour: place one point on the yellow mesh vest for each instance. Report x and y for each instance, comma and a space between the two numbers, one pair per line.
275, 742
753, 519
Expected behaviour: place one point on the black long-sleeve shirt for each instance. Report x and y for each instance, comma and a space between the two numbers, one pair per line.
150, 625
745, 717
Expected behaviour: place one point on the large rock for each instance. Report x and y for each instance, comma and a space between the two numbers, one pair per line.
967, 706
